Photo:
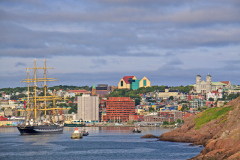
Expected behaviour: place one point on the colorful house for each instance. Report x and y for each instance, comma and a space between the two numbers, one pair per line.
131, 82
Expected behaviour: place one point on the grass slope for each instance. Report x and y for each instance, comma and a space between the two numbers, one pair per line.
211, 114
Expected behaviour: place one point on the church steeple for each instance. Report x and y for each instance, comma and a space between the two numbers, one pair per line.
94, 90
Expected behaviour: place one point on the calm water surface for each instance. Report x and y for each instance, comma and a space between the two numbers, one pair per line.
103, 143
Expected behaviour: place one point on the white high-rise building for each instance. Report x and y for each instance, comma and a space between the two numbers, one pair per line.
88, 108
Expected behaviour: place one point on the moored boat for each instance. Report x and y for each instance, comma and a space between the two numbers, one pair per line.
136, 130
38, 105
40, 129
85, 132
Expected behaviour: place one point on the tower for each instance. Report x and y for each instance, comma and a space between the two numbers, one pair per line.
198, 84
94, 90
208, 83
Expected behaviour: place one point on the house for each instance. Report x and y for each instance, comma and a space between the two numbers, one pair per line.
215, 94
131, 82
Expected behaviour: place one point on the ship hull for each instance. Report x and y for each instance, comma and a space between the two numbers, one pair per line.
85, 134
138, 131
41, 129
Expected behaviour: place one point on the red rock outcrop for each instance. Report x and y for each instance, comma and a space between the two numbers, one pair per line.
221, 139
149, 136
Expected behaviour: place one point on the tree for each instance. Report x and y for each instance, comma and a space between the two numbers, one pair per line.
165, 123
171, 98
211, 99
73, 109
185, 107
43, 94
179, 121
151, 109
16, 97
172, 123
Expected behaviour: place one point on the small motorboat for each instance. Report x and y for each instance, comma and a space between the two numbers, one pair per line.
85, 132
137, 130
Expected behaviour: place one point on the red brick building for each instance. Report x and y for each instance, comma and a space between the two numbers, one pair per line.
137, 118
119, 109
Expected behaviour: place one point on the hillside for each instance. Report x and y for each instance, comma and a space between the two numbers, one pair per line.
218, 129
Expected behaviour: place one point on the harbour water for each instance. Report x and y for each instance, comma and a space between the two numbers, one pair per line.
103, 143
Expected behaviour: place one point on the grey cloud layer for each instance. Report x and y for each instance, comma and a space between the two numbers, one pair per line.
115, 27
185, 38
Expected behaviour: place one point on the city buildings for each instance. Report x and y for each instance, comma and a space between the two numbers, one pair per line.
131, 82
73, 93
119, 109
88, 108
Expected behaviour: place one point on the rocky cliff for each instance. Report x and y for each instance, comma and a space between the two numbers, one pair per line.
218, 129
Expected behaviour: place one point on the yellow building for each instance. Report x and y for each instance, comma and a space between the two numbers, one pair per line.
125, 82
131, 82
144, 82
168, 93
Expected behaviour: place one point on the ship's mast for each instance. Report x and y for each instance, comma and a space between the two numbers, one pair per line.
45, 84
28, 96
44, 98
35, 89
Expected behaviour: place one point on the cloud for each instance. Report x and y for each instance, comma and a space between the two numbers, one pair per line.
20, 64
170, 39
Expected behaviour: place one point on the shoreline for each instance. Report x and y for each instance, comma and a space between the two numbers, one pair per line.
161, 126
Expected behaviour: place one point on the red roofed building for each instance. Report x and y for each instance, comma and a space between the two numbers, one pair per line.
131, 82
125, 82
228, 83
119, 109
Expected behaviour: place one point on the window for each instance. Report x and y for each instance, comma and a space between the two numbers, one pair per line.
121, 83
144, 82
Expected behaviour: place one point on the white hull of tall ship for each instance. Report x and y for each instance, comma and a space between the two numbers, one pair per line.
40, 129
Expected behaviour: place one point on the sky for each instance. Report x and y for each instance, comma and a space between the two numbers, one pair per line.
100, 41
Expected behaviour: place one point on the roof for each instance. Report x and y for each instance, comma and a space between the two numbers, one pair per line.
226, 82
102, 92
216, 92
78, 91
126, 78
218, 84
120, 99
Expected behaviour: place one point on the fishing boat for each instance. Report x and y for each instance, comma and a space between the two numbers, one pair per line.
85, 132
136, 130
36, 105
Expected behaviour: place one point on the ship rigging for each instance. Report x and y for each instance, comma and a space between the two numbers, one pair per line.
35, 126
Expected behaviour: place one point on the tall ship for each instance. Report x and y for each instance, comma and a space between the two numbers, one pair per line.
36, 106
